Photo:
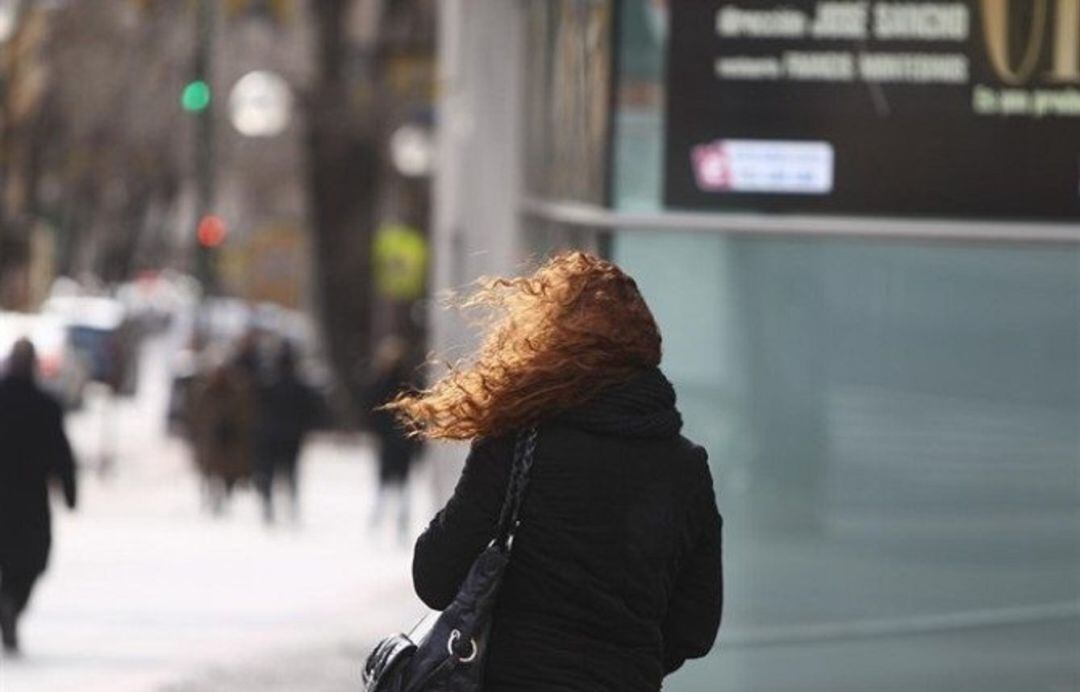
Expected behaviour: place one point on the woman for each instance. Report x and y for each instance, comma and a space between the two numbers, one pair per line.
390, 375
221, 416
288, 409
34, 453
615, 578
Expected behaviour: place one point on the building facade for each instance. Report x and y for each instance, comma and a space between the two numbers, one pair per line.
890, 400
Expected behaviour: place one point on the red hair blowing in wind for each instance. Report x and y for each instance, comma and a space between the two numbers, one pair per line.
552, 338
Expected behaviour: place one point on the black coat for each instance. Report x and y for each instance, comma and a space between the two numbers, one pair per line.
615, 577
287, 410
396, 449
33, 451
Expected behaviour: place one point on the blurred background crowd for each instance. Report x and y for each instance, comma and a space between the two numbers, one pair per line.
213, 230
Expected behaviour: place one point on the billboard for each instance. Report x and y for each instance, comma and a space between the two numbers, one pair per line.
963, 109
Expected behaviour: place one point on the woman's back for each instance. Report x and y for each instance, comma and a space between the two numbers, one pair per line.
615, 574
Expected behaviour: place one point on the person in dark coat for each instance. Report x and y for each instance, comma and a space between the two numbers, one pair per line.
288, 409
396, 449
615, 578
34, 451
221, 414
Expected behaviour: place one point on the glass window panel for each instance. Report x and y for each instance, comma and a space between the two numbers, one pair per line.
893, 430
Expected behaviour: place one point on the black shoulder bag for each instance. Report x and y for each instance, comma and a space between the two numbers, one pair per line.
446, 653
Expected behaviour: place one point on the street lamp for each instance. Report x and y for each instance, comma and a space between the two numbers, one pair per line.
260, 104
412, 151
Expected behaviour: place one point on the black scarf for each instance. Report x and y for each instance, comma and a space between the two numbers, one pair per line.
642, 406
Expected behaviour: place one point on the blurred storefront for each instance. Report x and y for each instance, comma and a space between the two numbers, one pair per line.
269, 267
875, 331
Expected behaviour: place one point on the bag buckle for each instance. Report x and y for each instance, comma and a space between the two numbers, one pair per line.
454, 637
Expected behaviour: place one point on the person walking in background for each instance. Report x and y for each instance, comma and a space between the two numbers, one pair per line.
221, 415
390, 377
34, 451
287, 410
615, 577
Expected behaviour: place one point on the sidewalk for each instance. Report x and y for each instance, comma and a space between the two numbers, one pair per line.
326, 669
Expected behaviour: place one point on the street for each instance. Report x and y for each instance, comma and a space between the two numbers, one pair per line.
146, 591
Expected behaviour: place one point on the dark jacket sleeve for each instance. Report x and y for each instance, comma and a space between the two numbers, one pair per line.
693, 616
62, 460
311, 408
447, 548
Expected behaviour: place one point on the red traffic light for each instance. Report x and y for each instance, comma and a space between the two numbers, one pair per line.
211, 231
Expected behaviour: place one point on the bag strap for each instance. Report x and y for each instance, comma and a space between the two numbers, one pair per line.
524, 449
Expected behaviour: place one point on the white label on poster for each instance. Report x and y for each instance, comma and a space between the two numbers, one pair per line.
762, 165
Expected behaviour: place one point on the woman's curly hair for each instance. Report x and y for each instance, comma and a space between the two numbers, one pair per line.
552, 339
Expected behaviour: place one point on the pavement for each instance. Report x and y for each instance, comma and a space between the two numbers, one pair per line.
146, 592
329, 668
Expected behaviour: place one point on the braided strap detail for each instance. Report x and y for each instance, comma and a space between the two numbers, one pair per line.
524, 450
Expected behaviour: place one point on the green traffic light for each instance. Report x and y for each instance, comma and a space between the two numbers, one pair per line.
196, 96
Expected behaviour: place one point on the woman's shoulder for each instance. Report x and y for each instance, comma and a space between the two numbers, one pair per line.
692, 450
490, 458
494, 446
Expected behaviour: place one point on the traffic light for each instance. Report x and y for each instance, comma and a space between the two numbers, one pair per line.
211, 231
196, 96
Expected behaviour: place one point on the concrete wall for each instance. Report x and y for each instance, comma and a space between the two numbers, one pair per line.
476, 226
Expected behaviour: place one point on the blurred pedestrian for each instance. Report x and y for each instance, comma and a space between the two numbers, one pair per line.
221, 415
34, 452
615, 576
397, 450
287, 410
247, 360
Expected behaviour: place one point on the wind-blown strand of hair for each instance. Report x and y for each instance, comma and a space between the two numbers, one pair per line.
550, 341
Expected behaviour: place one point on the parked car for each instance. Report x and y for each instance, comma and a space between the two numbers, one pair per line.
62, 369
98, 329
153, 299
